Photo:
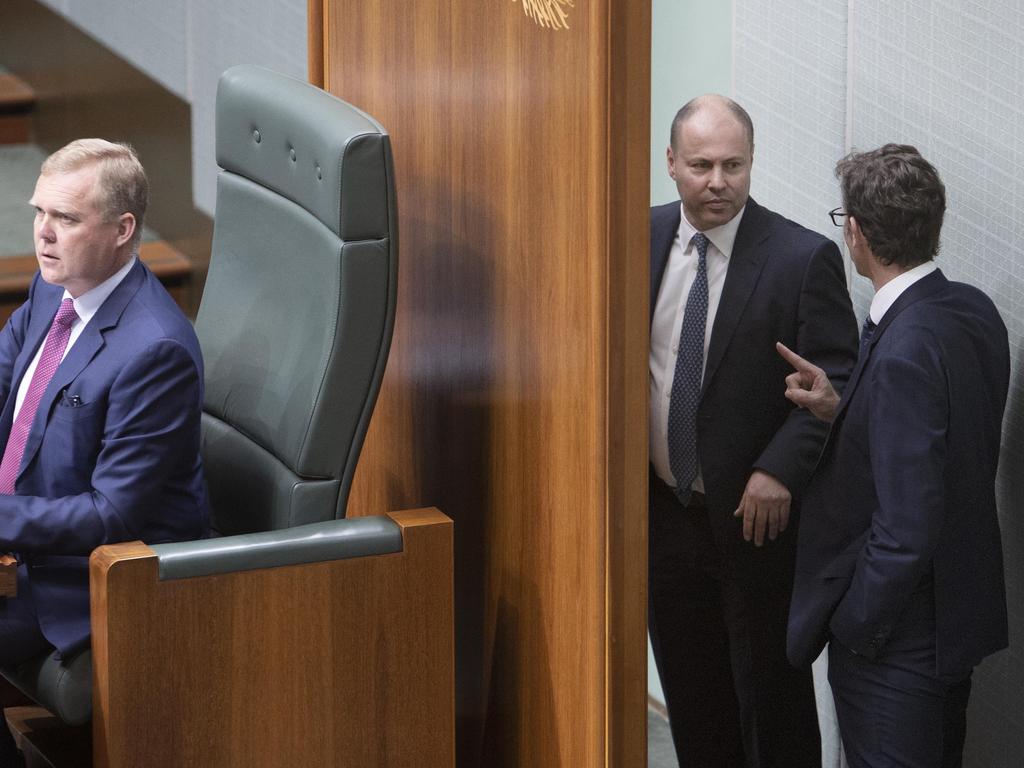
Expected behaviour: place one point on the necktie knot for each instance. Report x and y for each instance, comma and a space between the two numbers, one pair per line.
866, 331
701, 241
66, 314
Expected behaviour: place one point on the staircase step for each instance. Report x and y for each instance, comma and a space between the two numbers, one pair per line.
17, 99
171, 266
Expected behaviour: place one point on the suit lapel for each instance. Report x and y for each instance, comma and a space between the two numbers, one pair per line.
923, 288
745, 266
84, 350
39, 326
45, 301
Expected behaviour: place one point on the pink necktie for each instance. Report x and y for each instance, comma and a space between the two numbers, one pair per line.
53, 351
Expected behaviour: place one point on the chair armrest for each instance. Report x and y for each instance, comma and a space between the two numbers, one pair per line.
344, 661
313, 543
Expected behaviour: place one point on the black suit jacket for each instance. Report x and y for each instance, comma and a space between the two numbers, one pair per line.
784, 283
905, 492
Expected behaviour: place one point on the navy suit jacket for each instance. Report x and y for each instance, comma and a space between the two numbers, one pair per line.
784, 283
113, 453
905, 489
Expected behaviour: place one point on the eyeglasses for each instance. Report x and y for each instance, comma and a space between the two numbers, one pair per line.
837, 215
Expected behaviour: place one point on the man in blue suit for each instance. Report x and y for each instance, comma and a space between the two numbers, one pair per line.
101, 382
900, 565
730, 455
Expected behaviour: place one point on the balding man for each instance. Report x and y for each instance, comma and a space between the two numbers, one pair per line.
730, 454
101, 390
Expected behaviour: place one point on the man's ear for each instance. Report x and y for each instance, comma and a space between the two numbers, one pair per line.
670, 157
125, 228
856, 236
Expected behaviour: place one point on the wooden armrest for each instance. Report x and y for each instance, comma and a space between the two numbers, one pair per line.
8, 576
339, 662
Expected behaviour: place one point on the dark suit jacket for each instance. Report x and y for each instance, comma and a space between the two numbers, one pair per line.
905, 490
784, 283
122, 465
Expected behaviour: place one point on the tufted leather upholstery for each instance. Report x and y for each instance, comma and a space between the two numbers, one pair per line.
296, 320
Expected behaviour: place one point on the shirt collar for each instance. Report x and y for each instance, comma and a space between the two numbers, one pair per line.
722, 237
89, 302
888, 293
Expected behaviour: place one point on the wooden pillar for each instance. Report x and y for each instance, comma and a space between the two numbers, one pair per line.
515, 394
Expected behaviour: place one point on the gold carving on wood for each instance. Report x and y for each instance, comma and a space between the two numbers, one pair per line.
548, 13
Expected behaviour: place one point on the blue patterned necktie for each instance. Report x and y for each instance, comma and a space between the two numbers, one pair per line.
682, 410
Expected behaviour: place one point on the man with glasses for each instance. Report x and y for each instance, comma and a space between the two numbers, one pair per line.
900, 561
729, 454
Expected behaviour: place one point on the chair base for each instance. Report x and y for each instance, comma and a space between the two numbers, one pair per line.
46, 742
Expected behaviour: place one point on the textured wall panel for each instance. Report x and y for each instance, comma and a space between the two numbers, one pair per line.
790, 74
223, 34
185, 45
148, 33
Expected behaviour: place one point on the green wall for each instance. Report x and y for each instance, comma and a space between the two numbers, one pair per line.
691, 54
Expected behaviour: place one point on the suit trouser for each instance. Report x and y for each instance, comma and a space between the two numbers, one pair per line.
718, 633
894, 710
20, 640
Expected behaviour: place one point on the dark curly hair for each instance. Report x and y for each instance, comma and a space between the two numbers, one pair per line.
898, 200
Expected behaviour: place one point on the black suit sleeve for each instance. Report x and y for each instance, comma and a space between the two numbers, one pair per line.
827, 336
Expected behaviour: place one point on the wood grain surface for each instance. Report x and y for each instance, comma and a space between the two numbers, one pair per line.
515, 393
8, 576
340, 663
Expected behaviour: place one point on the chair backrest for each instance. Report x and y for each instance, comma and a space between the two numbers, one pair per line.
296, 317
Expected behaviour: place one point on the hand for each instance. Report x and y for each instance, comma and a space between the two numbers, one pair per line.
809, 387
764, 506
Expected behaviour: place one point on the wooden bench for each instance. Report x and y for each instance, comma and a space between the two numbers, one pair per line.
17, 100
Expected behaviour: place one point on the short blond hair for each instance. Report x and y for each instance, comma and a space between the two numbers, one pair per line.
122, 184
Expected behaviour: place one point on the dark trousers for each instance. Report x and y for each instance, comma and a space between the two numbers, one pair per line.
718, 631
20, 640
894, 709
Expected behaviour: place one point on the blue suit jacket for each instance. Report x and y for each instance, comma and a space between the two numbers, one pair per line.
113, 453
784, 283
905, 488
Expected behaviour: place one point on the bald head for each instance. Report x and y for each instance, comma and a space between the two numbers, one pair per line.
717, 106
710, 158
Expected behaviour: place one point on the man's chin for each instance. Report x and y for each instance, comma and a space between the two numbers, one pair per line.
49, 274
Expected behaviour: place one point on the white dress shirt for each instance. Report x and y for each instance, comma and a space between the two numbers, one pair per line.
86, 306
888, 293
680, 272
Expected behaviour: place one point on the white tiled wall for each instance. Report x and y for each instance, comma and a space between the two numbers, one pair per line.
948, 77
271, 33
790, 75
186, 44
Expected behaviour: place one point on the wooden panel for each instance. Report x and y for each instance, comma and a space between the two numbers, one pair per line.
515, 392
45, 741
343, 663
8, 576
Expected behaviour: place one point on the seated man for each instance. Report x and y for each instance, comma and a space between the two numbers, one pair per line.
101, 385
